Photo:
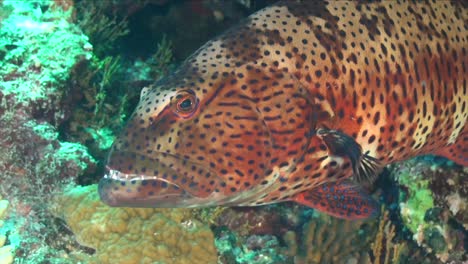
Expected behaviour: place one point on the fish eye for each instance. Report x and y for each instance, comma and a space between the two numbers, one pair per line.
185, 104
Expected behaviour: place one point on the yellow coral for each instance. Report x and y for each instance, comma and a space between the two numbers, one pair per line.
6, 251
384, 244
134, 235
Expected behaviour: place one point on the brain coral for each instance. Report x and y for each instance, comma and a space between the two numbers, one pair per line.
134, 235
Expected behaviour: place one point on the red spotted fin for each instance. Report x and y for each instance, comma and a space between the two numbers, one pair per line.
343, 200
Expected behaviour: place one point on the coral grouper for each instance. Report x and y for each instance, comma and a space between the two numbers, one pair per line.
300, 102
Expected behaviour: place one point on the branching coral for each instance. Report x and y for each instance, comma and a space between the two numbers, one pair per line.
98, 101
330, 240
384, 249
161, 59
102, 30
100, 88
129, 235
108, 67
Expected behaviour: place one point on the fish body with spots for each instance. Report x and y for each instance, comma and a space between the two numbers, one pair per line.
300, 102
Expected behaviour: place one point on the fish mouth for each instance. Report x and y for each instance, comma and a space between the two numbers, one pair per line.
127, 190
167, 181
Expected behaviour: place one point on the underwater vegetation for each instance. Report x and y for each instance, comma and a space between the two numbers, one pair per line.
71, 73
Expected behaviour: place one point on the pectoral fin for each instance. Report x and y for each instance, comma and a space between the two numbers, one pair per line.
365, 167
343, 200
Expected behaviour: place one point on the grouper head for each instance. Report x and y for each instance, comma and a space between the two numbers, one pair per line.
201, 139
209, 134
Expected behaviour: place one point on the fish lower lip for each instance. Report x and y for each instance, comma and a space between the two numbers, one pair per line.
120, 189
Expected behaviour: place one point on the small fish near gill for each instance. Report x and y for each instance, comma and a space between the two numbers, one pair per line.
300, 102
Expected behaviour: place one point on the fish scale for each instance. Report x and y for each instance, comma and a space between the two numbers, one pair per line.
301, 102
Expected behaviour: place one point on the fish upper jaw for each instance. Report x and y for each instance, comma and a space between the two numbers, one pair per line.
162, 180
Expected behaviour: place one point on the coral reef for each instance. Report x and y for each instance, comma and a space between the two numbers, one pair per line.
275, 219
255, 234
38, 48
6, 251
432, 203
129, 235
325, 239
254, 249
289, 233
37, 51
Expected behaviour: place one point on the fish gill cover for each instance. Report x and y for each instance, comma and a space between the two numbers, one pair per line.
71, 76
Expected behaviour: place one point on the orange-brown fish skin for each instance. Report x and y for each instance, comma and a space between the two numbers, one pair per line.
264, 112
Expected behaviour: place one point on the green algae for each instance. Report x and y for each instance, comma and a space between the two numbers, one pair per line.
417, 201
422, 210
44, 130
